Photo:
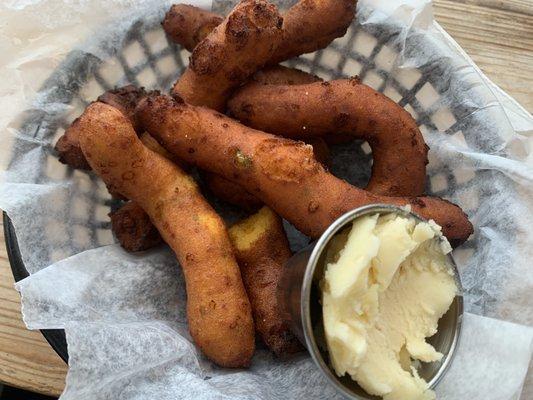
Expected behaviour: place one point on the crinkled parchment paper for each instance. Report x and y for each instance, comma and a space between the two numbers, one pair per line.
124, 314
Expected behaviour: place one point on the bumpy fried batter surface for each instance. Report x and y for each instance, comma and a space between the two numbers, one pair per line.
230, 54
219, 313
133, 228
343, 106
283, 173
262, 249
68, 146
308, 26
188, 25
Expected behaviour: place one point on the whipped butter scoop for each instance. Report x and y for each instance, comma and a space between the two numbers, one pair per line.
386, 285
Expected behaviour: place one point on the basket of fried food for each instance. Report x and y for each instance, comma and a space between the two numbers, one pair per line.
258, 133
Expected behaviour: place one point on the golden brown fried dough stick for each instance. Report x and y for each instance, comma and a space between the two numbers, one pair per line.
308, 26
218, 309
312, 25
320, 151
262, 249
153, 145
280, 75
221, 187
188, 25
133, 228
343, 107
68, 146
230, 192
281, 172
185, 15
229, 55
131, 225
135, 232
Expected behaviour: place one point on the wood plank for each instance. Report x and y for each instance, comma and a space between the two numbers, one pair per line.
519, 6
26, 359
498, 40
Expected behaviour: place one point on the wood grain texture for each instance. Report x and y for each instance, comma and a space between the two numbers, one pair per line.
26, 359
519, 6
497, 34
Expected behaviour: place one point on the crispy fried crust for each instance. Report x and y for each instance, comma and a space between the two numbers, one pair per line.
124, 99
133, 228
219, 313
68, 146
262, 249
230, 192
312, 25
152, 144
230, 54
321, 151
343, 107
281, 172
280, 75
308, 26
189, 25
183, 22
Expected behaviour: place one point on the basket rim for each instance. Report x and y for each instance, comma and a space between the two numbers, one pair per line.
55, 337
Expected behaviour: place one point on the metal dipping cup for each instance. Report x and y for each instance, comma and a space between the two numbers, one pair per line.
299, 300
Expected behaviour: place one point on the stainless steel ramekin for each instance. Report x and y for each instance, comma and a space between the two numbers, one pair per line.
299, 299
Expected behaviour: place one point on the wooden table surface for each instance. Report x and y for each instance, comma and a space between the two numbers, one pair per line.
497, 34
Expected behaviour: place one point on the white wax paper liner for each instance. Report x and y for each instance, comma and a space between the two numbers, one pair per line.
127, 336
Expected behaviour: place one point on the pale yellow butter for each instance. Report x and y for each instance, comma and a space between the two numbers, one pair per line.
382, 296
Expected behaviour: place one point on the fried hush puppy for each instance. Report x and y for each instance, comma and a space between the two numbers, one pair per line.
232, 193
308, 26
132, 226
124, 99
133, 229
344, 106
68, 146
219, 313
283, 173
262, 248
280, 75
312, 25
188, 25
230, 54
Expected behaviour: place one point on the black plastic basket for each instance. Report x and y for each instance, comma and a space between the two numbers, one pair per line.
341, 59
